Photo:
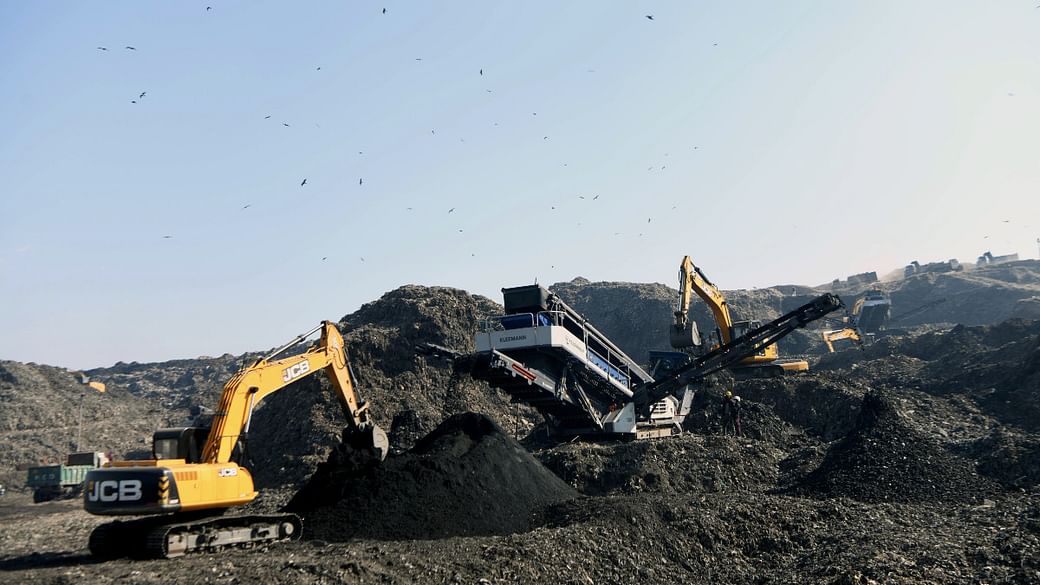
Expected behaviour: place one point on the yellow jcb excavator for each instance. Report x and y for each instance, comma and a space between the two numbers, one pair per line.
193, 480
683, 333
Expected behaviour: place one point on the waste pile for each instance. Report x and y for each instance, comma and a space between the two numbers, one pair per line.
882, 459
466, 478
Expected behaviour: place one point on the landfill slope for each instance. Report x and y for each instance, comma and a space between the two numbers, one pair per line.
47, 412
466, 478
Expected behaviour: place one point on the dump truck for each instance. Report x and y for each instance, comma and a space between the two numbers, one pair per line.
50, 482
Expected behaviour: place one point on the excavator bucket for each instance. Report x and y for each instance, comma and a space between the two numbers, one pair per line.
363, 446
687, 336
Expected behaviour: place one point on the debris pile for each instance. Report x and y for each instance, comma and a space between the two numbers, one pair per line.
884, 460
466, 478
688, 463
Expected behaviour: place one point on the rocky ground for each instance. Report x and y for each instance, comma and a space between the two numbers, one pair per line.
915, 460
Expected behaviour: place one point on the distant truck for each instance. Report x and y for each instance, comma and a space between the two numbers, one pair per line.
988, 259
915, 267
51, 482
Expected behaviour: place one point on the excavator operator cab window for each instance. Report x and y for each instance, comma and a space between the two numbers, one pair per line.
742, 327
180, 443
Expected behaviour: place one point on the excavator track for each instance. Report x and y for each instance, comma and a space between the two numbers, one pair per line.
149, 538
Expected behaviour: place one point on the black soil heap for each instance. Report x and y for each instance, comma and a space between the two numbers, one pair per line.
883, 460
465, 478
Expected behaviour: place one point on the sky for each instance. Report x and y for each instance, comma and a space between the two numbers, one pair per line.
151, 205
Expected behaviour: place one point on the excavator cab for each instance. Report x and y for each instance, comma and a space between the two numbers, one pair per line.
180, 443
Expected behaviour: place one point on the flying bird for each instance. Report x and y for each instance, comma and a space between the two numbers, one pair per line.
247, 205
133, 101
460, 231
361, 181
595, 198
131, 48
648, 219
418, 58
208, 8
450, 210
267, 117
318, 69
102, 48
304, 182
384, 11
284, 124
649, 16
482, 72
581, 196
142, 95
167, 237
362, 258
324, 258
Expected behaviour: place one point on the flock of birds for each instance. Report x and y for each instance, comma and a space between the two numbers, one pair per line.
361, 180
480, 72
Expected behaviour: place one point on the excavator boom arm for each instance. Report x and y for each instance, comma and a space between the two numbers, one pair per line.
692, 280
247, 388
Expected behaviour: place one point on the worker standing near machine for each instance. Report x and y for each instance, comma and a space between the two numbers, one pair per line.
731, 414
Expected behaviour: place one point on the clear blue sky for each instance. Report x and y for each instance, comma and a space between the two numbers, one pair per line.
775, 142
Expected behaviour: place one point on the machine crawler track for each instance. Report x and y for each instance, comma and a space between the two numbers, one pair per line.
154, 538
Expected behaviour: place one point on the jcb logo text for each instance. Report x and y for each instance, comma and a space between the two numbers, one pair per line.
295, 371
110, 490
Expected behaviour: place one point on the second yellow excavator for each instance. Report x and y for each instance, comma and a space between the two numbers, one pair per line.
683, 332
192, 480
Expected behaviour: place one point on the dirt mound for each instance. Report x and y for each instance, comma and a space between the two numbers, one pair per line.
1009, 458
687, 463
465, 478
823, 404
884, 460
